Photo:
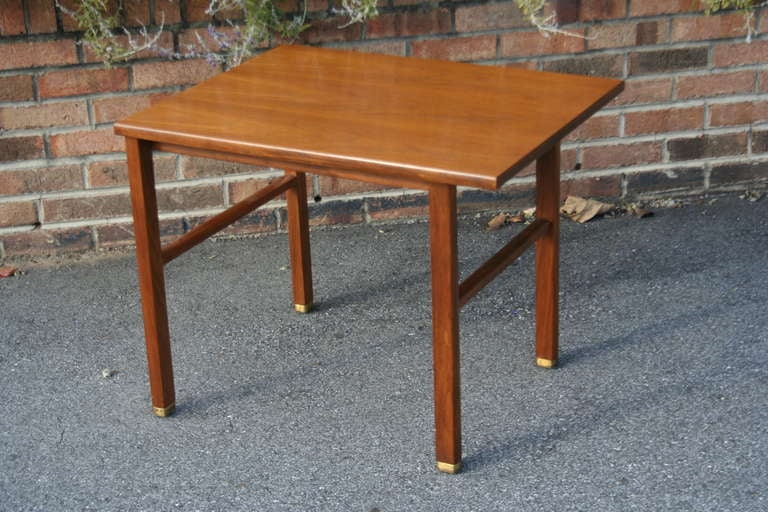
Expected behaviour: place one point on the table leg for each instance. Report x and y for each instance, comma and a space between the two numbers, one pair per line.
547, 257
298, 239
445, 326
151, 278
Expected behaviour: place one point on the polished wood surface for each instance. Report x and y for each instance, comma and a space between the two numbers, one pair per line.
496, 264
445, 324
547, 257
298, 242
151, 275
388, 120
232, 214
411, 119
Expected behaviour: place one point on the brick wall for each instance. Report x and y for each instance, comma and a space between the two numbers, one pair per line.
693, 118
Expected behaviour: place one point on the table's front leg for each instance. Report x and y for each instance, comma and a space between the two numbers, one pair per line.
298, 240
445, 326
151, 277
547, 257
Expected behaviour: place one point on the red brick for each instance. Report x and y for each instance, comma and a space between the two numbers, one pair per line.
597, 127
715, 26
729, 174
86, 142
21, 148
136, 13
88, 207
489, 17
114, 173
667, 60
262, 220
649, 90
707, 146
112, 109
520, 44
45, 179
11, 18
763, 81
666, 181
621, 155
34, 54
738, 54
760, 141
164, 41
618, 35
730, 114
457, 48
601, 9
655, 7
196, 10
48, 241
121, 235
190, 39
602, 187
193, 167
715, 84
16, 88
568, 160
329, 30
316, 5
71, 113
398, 206
190, 198
167, 12
69, 24
331, 186
164, 74
385, 47
409, 23
239, 190
18, 214
42, 16
664, 120
82, 81
611, 65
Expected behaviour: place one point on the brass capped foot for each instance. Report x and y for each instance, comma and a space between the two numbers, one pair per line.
164, 411
545, 363
303, 308
446, 467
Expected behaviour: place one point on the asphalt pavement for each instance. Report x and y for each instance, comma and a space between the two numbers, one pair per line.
659, 402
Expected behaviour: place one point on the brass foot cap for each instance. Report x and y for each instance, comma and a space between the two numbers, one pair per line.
164, 411
303, 308
545, 363
446, 467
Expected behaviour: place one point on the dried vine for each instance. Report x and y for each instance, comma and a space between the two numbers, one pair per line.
244, 25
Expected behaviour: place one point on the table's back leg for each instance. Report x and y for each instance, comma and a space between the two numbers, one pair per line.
445, 326
298, 239
151, 277
547, 257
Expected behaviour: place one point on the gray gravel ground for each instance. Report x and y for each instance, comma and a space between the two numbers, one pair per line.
660, 402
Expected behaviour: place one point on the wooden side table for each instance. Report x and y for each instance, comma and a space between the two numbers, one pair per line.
395, 121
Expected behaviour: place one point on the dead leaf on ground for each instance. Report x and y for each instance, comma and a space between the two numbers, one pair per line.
497, 222
581, 210
8, 271
517, 218
752, 196
639, 211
